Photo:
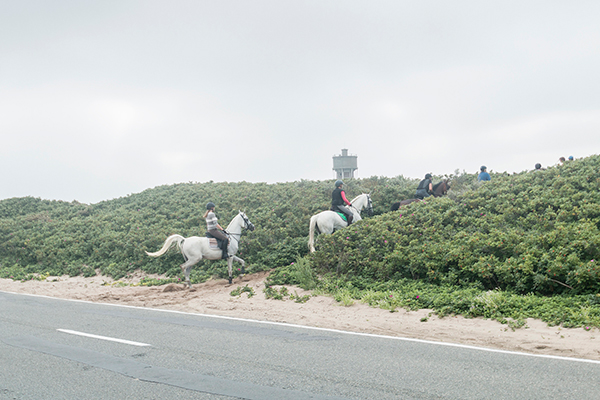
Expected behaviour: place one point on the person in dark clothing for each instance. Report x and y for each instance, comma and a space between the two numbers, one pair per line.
214, 229
339, 201
425, 188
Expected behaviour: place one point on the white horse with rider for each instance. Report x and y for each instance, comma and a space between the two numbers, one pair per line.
196, 248
329, 221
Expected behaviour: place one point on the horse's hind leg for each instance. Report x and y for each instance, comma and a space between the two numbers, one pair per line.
186, 267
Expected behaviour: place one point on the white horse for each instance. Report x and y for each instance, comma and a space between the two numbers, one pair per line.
330, 221
196, 248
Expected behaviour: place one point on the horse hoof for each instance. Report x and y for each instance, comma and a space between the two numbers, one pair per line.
230, 280
243, 271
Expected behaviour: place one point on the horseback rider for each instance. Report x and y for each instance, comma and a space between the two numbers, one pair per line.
339, 201
484, 175
214, 229
425, 188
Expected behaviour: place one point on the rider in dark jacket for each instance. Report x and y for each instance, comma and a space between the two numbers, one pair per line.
339, 201
425, 188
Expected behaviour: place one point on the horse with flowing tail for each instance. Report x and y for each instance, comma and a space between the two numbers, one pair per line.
330, 221
439, 189
196, 248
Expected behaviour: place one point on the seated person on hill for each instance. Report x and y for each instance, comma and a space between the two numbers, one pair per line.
484, 175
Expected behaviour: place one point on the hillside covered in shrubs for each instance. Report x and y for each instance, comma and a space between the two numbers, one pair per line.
532, 232
56, 237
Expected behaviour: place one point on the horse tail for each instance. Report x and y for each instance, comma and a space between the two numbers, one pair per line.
173, 238
311, 233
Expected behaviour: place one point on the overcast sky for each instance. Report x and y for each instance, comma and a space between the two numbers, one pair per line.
101, 99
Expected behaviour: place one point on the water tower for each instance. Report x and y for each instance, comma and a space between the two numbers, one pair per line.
344, 165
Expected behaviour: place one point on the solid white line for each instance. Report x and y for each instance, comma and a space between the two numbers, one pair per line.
464, 346
103, 337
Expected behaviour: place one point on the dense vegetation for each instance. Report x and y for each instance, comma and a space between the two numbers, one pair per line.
533, 232
523, 245
41, 236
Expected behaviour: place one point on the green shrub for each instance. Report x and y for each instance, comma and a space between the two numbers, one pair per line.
528, 233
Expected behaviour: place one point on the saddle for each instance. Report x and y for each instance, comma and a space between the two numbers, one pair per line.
342, 216
213, 243
216, 243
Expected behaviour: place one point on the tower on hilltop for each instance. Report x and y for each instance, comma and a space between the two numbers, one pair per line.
344, 165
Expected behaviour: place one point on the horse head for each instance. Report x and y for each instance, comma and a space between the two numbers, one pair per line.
369, 206
363, 201
249, 225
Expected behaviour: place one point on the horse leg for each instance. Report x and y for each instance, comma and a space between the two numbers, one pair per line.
230, 268
186, 267
242, 262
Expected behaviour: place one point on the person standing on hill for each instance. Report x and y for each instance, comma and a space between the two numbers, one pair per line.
484, 175
425, 188
213, 228
339, 201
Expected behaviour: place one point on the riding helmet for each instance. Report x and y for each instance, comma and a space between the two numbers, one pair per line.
339, 183
483, 168
428, 176
210, 205
538, 166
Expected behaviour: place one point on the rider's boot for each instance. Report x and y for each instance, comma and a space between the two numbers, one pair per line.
225, 255
349, 218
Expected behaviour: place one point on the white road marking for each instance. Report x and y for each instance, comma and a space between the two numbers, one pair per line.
406, 339
103, 337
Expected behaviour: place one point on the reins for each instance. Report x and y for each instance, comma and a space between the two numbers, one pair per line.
246, 222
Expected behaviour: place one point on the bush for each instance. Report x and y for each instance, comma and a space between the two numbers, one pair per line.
536, 232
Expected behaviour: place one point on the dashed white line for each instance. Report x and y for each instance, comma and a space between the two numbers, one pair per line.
103, 337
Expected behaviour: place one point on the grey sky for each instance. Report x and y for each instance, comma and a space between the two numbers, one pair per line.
102, 99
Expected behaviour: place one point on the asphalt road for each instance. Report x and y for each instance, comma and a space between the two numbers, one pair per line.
153, 354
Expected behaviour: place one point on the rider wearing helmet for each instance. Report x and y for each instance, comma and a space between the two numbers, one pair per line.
484, 175
425, 188
214, 229
339, 201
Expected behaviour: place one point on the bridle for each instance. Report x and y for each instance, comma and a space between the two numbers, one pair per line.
248, 225
369, 206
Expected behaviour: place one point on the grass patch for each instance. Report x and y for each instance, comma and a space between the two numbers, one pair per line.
470, 301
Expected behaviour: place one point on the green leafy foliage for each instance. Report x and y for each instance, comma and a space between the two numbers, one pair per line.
470, 301
532, 232
237, 292
56, 237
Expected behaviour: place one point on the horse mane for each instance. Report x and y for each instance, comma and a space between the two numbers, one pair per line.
437, 185
352, 201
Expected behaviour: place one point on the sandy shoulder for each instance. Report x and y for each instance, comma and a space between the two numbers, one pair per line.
213, 297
